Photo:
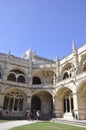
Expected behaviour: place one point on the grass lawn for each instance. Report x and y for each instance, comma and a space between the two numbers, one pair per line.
3, 121
48, 126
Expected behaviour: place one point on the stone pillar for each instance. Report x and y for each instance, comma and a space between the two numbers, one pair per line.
75, 101
13, 102
54, 79
1, 103
66, 105
29, 102
53, 98
1, 100
70, 103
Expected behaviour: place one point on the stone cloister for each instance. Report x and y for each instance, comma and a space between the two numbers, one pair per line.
55, 87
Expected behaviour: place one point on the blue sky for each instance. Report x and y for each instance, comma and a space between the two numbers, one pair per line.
47, 26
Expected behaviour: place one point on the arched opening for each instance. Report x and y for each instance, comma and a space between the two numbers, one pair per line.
13, 101
36, 80
17, 71
21, 79
11, 77
84, 66
81, 93
64, 103
68, 104
43, 101
65, 76
16, 76
35, 103
67, 71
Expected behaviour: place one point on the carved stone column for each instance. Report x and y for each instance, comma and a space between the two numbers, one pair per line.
29, 102
1, 100
75, 103
1, 103
53, 98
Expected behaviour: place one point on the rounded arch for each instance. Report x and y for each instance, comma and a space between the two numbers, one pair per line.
36, 80
82, 59
9, 90
65, 75
13, 100
18, 69
81, 85
66, 70
43, 70
16, 75
11, 76
35, 103
62, 90
81, 94
46, 76
67, 66
44, 102
39, 91
83, 62
63, 101
21, 78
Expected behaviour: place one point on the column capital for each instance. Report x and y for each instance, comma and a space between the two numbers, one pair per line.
29, 96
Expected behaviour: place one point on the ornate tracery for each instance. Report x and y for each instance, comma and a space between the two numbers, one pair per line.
13, 102
16, 76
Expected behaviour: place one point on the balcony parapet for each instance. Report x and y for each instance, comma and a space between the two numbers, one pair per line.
42, 86
74, 79
11, 83
42, 66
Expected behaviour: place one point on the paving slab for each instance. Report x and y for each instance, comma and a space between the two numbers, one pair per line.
10, 124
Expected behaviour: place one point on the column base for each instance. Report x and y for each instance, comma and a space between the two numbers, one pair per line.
68, 116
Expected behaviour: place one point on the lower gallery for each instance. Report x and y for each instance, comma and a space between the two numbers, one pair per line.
55, 87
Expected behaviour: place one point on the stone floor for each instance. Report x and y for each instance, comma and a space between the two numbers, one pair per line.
10, 124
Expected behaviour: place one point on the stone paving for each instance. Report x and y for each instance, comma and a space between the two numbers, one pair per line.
10, 124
